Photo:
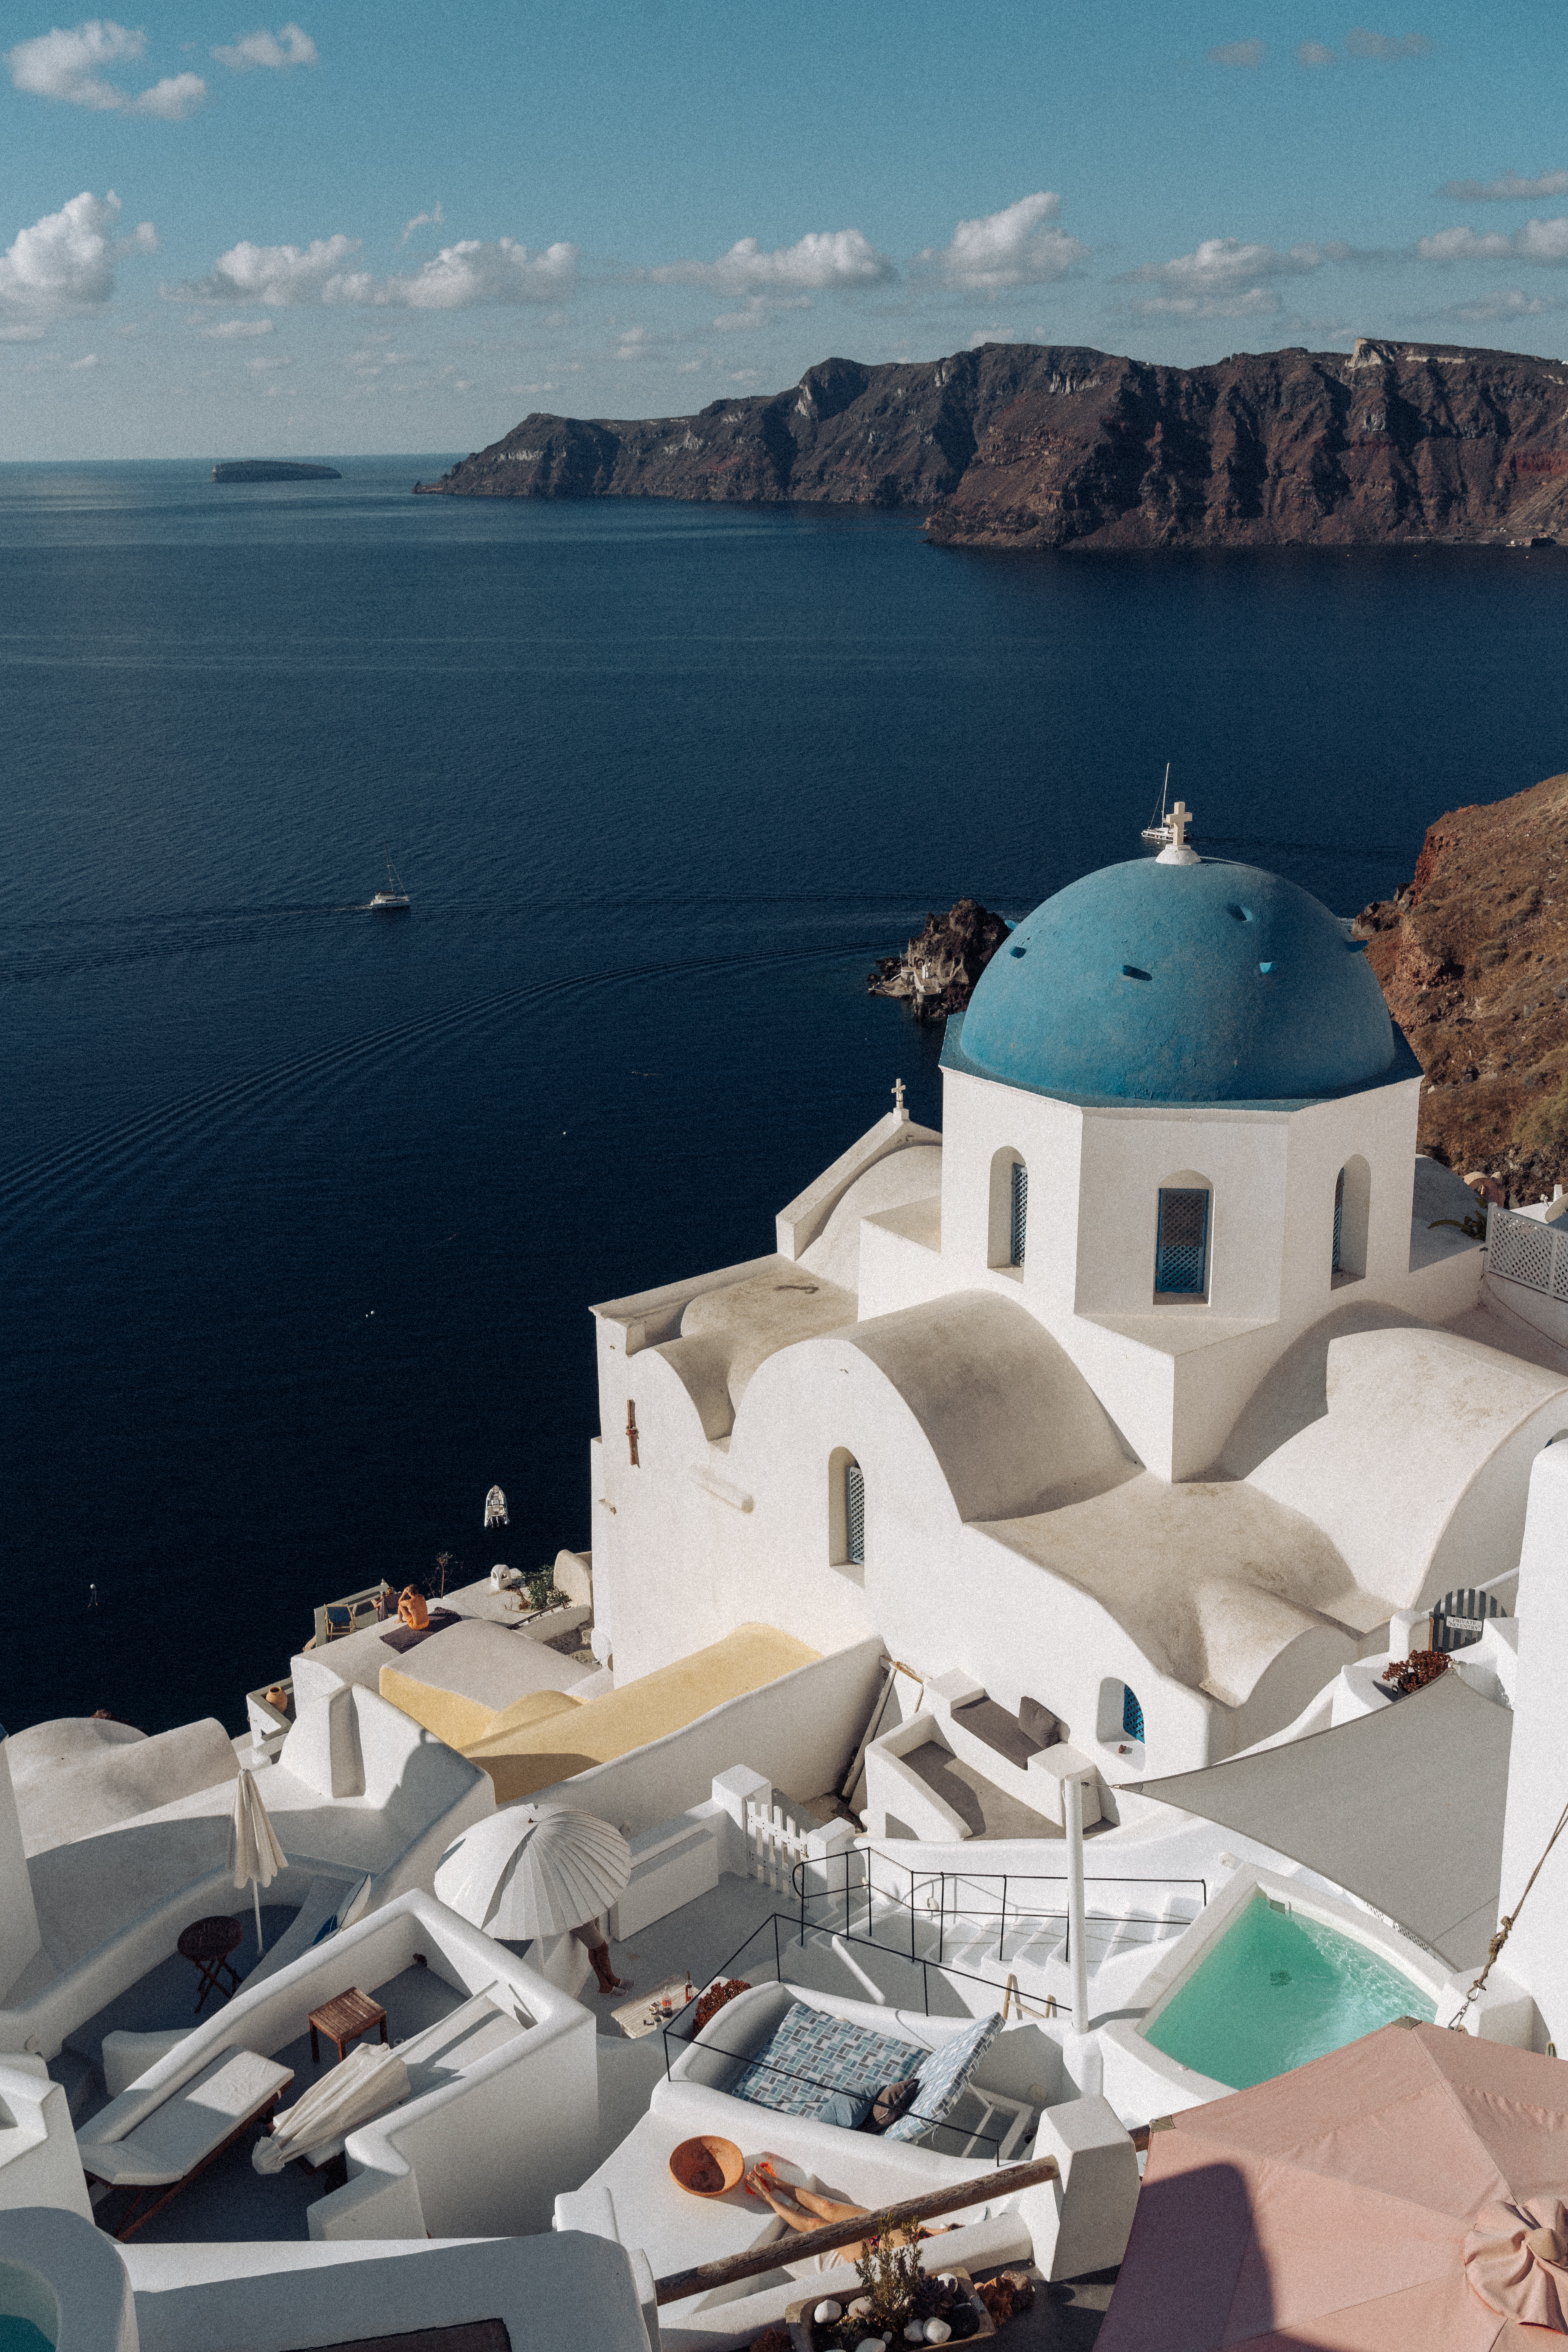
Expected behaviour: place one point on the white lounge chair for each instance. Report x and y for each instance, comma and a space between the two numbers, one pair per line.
155, 2141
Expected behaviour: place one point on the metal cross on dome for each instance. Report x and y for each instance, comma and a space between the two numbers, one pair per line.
1181, 817
898, 1094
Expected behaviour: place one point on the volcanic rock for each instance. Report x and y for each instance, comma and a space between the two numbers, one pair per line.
938, 967
1020, 445
1473, 958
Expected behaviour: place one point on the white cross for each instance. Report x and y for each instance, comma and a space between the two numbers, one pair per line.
1181, 817
899, 1093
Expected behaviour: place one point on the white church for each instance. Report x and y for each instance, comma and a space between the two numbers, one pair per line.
1152, 1391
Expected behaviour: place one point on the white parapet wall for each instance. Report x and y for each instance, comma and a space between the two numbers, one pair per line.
799, 1732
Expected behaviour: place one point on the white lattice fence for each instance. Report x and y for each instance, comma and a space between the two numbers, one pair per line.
1520, 1250
775, 1841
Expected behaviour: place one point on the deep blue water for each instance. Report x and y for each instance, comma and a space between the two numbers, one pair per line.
302, 1209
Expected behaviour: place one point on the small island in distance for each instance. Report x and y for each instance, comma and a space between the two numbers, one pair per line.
273, 469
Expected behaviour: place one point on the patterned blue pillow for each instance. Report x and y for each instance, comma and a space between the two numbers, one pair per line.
943, 2077
811, 2054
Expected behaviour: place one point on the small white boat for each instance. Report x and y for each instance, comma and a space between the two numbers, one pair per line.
495, 1508
1157, 832
394, 897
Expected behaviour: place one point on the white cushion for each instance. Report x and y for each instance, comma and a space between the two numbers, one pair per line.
190, 2124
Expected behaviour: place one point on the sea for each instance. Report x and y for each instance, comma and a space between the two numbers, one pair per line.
303, 1208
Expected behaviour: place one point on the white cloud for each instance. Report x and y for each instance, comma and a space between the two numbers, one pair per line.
90, 360
233, 331
459, 276
472, 272
822, 259
273, 273
69, 66
1488, 308
1315, 53
287, 47
1509, 189
746, 375
421, 220
64, 262
1246, 54
1538, 240
759, 309
1383, 47
1013, 247
266, 367
990, 335
25, 330
172, 98
1225, 266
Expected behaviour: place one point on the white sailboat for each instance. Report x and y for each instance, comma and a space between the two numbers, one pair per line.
495, 1509
1157, 832
394, 897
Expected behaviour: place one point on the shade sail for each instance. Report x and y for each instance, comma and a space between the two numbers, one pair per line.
534, 1870
1404, 1808
1403, 2194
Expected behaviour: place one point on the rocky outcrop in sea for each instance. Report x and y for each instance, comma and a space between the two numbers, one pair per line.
938, 967
1020, 445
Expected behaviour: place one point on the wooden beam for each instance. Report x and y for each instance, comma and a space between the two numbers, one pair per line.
797, 2246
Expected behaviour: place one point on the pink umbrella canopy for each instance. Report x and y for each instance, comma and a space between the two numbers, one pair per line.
1400, 2195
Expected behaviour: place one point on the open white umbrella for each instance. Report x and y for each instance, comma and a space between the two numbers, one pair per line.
255, 1856
534, 1870
370, 2082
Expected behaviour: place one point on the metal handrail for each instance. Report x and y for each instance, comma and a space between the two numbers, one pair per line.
919, 1881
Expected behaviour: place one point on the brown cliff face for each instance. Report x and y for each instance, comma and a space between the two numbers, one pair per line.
1022, 445
1473, 958
939, 966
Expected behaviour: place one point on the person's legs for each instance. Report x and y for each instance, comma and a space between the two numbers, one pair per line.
591, 1936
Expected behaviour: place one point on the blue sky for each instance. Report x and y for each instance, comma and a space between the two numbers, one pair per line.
386, 228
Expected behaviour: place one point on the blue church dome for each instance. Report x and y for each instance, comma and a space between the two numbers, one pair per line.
1180, 983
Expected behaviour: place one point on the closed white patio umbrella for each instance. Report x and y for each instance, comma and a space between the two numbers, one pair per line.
534, 1870
255, 1856
370, 2082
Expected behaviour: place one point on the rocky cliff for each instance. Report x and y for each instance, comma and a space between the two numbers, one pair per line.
1022, 445
1473, 958
938, 967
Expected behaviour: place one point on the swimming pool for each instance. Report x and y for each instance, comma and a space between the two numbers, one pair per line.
20, 2335
1278, 1987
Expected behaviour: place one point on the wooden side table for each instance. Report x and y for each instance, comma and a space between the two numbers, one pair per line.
343, 2019
208, 1943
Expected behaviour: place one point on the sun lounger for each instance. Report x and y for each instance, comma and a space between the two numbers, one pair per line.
163, 2146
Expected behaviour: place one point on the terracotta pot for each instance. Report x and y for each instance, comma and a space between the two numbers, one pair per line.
691, 2154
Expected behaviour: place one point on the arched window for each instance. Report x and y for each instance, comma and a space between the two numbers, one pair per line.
1131, 1714
846, 1513
1182, 1239
1352, 1202
1008, 1218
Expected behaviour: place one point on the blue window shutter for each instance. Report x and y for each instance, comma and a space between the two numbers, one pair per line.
854, 1515
1020, 1210
1181, 1259
1131, 1713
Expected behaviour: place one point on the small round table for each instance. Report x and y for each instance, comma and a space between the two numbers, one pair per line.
207, 1944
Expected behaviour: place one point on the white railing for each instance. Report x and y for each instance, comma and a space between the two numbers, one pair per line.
775, 1841
1520, 1249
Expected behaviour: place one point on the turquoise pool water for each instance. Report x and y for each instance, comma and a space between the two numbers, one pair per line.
21, 2336
1277, 1990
